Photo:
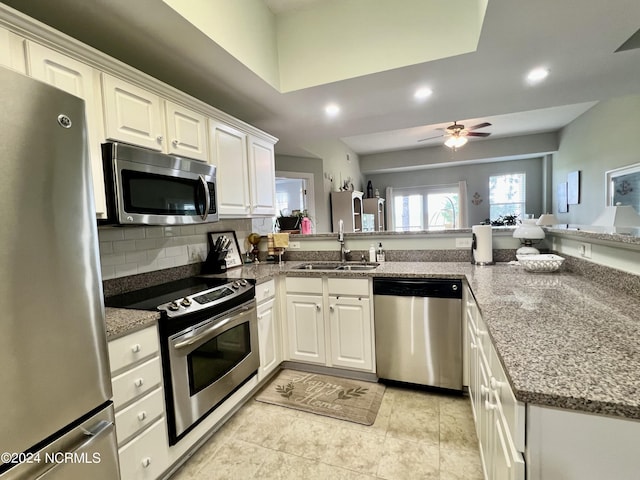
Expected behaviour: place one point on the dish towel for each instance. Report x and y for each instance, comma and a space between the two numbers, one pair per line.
281, 240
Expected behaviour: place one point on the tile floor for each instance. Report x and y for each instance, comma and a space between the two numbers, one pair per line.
417, 435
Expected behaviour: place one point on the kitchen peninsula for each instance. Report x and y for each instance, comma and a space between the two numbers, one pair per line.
568, 346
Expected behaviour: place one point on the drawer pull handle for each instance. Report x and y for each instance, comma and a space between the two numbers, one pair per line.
159, 138
146, 461
266, 291
136, 348
139, 382
331, 307
495, 384
175, 142
142, 416
318, 306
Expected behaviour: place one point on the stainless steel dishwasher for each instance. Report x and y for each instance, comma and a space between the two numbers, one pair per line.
418, 327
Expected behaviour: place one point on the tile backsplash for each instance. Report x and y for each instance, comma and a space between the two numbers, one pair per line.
128, 251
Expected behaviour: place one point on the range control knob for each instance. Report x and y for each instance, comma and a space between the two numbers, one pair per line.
243, 282
236, 285
185, 302
173, 306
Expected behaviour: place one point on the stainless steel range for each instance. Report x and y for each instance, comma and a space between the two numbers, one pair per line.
209, 343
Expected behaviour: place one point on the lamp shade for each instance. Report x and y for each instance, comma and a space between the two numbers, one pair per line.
547, 219
618, 216
528, 230
455, 141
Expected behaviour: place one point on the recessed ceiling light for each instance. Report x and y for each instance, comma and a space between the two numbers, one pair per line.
537, 75
422, 93
332, 110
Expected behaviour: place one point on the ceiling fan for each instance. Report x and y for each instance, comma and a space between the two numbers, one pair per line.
457, 134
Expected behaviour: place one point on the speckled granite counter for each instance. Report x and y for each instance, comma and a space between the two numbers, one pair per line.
121, 321
563, 340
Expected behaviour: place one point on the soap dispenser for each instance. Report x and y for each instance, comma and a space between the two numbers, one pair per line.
372, 253
380, 254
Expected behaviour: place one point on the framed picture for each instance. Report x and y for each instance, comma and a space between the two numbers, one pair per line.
573, 188
233, 258
562, 198
623, 186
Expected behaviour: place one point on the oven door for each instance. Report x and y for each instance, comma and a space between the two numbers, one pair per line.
208, 362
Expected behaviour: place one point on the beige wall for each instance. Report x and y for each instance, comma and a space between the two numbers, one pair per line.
604, 138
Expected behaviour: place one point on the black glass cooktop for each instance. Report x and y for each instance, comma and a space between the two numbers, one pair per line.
149, 298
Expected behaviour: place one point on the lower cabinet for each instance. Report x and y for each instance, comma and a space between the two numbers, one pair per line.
329, 322
268, 329
499, 417
136, 379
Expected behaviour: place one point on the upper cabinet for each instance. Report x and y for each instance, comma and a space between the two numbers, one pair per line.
229, 155
81, 80
132, 114
245, 172
186, 132
262, 176
12, 51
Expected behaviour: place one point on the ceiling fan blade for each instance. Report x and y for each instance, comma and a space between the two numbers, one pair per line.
480, 125
430, 138
478, 134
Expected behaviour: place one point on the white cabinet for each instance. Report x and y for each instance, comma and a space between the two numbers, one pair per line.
245, 172
12, 51
81, 80
346, 206
499, 417
136, 379
186, 132
268, 329
229, 155
262, 170
330, 322
132, 114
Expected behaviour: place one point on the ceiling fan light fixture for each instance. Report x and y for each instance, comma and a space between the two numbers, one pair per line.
455, 141
332, 110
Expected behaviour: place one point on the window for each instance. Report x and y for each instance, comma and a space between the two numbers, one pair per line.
507, 195
424, 208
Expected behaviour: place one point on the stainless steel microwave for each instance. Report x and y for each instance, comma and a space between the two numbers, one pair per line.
144, 187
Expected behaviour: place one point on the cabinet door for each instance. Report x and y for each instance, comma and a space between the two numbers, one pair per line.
306, 328
350, 324
12, 51
268, 338
506, 462
80, 80
132, 114
186, 132
262, 176
229, 155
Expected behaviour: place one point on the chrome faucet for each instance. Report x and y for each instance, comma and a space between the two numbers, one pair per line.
343, 251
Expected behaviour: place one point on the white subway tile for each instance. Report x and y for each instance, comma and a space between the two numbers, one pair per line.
106, 247
154, 232
112, 259
176, 251
146, 244
188, 230
136, 257
171, 231
126, 269
108, 272
165, 262
155, 253
124, 246
111, 234
133, 233
147, 267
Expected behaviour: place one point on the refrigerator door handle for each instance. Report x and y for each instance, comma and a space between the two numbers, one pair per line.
207, 197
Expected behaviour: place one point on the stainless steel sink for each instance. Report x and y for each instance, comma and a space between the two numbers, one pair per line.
359, 266
338, 266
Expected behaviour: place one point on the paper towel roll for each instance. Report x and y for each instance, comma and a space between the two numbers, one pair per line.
483, 251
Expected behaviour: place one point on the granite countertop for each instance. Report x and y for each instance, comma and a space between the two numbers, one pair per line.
122, 321
563, 340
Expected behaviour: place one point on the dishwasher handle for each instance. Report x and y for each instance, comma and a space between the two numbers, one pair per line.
418, 287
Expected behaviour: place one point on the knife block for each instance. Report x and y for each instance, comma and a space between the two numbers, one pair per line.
215, 262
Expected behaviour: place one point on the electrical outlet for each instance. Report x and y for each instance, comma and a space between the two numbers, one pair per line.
294, 245
463, 242
585, 250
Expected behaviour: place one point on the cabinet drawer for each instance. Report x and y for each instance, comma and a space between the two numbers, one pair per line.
349, 286
303, 285
265, 290
147, 456
512, 410
125, 351
136, 382
135, 417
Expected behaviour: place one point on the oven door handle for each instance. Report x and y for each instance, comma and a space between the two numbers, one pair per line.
218, 325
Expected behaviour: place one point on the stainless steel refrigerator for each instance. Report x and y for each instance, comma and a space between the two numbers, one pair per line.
56, 416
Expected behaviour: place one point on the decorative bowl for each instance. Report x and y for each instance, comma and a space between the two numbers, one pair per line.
540, 263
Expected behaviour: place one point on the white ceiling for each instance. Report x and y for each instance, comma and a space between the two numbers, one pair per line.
575, 39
